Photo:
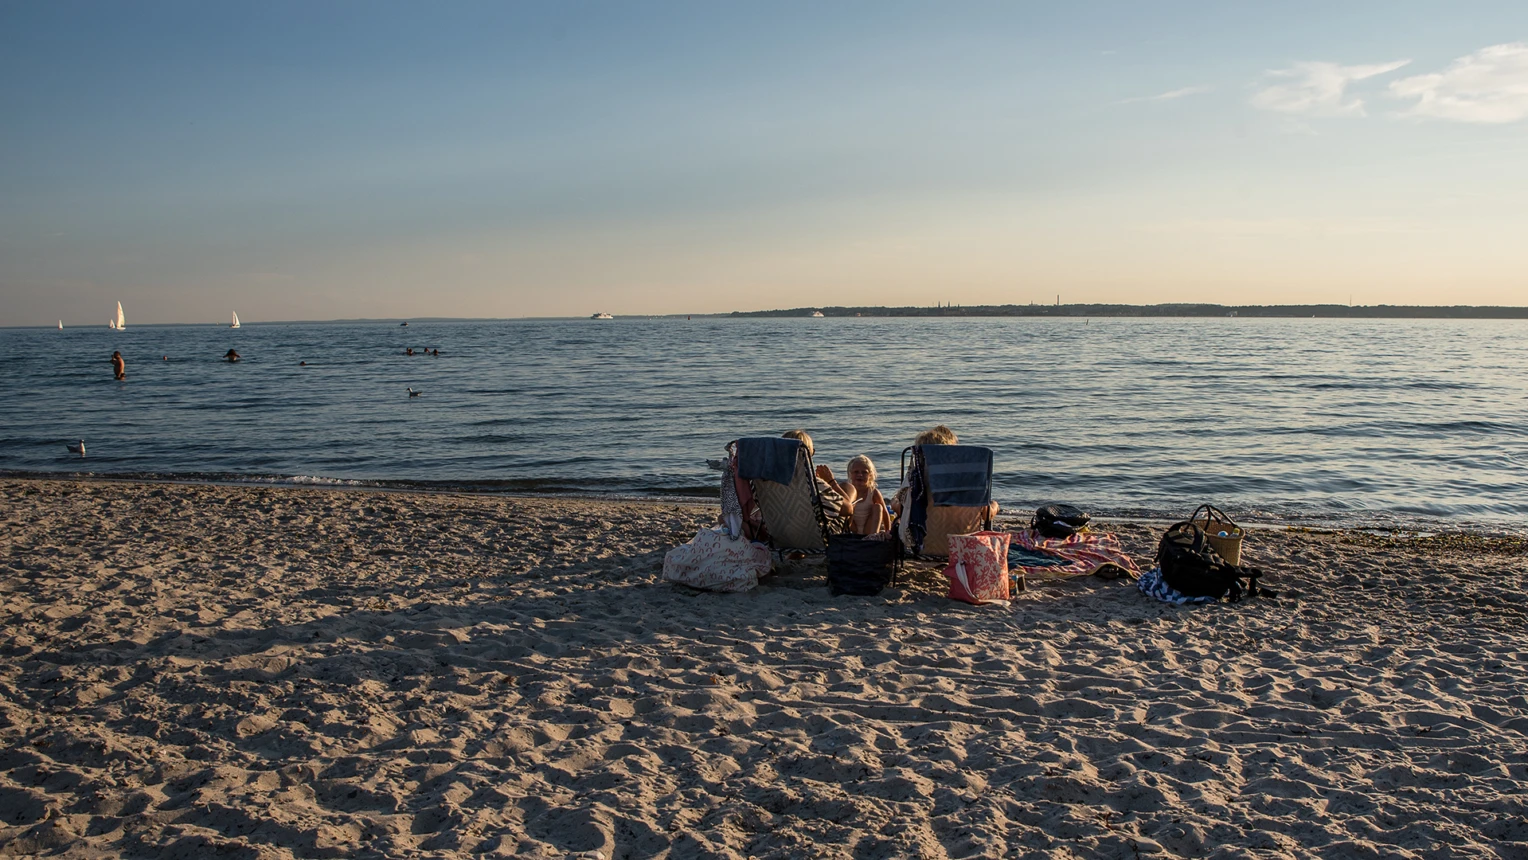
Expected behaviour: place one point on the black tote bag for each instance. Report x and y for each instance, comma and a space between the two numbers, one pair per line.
860, 566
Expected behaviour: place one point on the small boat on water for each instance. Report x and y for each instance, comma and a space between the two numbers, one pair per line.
403, 325
60, 325
119, 323
816, 313
235, 320
601, 317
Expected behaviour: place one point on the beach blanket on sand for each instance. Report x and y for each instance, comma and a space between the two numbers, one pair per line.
1152, 584
1077, 555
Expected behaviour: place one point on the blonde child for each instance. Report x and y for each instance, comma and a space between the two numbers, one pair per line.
870, 516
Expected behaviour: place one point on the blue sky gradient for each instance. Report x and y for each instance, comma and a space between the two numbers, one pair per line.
322, 160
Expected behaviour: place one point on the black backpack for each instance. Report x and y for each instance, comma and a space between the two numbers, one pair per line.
1192, 567
1059, 521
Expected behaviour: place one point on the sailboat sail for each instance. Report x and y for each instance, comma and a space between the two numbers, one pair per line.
121, 320
235, 320
60, 325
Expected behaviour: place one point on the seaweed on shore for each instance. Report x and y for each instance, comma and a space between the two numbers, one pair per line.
1444, 543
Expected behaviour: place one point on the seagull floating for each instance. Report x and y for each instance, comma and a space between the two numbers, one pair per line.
413, 393
76, 449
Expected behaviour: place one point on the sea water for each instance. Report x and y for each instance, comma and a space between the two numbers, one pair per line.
1319, 421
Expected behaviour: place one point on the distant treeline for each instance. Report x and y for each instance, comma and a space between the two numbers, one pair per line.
1168, 310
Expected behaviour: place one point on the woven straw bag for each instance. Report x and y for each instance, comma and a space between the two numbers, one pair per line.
1214, 521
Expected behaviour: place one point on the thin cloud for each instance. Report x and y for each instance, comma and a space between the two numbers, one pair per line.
1284, 227
1488, 86
1318, 88
1167, 96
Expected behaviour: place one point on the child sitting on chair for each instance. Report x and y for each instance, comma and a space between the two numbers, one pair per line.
870, 515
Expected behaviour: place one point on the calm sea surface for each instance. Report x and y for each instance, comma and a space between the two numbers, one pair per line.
1368, 422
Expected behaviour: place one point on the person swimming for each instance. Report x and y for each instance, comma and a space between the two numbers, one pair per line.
118, 365
231, 355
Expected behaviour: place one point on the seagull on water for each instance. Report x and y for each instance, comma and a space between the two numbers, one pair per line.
413, 393
76, 449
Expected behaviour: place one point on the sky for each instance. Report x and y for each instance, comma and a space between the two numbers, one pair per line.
328, 160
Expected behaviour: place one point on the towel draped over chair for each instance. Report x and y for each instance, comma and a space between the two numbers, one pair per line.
949, 489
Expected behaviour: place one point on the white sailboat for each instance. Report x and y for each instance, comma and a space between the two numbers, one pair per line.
120, 322
60, 325
235, 320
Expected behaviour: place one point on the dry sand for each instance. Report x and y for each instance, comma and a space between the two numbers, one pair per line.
194, 671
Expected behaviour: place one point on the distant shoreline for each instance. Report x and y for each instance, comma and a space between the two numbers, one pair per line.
1078, 310
1164, 310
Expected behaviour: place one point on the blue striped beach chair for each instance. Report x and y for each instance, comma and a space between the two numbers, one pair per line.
949, 490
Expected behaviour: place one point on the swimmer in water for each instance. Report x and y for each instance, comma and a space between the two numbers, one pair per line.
118, 366
231, 355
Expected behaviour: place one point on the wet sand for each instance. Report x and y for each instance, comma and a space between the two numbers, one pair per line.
272, 672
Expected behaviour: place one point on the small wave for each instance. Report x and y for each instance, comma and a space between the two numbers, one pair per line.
315, 480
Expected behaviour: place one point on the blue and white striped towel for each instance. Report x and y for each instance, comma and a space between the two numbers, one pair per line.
958, 475
1152, 584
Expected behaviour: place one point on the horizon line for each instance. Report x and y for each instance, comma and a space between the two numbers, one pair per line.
806, 309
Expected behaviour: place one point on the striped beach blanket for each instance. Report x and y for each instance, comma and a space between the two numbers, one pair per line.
1078, 555
1152, 584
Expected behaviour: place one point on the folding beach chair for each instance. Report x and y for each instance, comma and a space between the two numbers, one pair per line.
949, 491
779, 474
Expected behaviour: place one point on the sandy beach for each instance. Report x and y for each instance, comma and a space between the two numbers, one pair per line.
195, 671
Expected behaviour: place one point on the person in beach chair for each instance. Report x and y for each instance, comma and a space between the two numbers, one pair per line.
798, 508
870, 514
946, 490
